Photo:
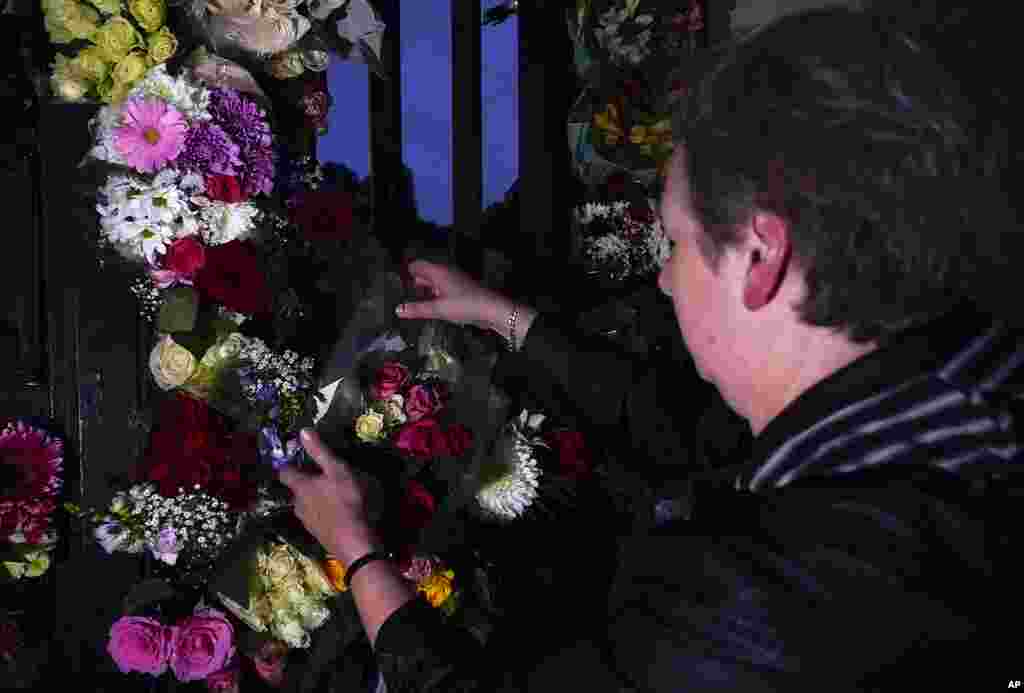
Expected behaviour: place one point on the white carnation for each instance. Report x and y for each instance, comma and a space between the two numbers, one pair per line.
226, 222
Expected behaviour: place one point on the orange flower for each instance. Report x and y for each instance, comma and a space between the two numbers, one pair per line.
335, 571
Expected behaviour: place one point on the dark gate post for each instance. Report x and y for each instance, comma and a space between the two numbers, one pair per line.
467, 131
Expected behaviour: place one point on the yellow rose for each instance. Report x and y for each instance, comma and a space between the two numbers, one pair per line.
151, 14
91, 64
286, 65
131, 68
171, 364
117, 38
107, 6
370, 427
80, 20
437, 588
162, 45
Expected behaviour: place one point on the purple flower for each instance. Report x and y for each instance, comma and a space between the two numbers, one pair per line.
209, 150
275, 452
167, 546
246, 124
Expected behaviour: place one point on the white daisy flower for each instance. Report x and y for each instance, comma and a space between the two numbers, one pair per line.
508, 486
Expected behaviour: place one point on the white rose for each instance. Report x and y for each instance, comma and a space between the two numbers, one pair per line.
171, 364
70, 89
394, 410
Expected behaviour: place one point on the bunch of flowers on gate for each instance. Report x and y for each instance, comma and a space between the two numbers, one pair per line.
407, 399
109, 45
31, 465
621, 239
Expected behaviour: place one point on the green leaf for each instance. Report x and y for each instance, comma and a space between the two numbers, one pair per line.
145, 594
179, 311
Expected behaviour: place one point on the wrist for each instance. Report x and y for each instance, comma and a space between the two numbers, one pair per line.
352, 548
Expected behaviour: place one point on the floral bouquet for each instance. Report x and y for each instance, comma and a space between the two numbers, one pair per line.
627, 52
621, 240
291, 37
111, 44
31, 461
533, 463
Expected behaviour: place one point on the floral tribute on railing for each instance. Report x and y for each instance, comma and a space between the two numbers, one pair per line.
31, 470
628, 55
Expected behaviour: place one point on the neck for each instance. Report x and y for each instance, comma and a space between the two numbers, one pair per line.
820, 353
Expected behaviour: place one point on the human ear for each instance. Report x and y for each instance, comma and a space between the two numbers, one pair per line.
768, 251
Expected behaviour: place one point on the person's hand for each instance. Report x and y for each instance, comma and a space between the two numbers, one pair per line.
331, 504
455, 297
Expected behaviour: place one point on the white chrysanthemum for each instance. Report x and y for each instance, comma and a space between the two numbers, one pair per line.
509, 484
141, 217
226, 222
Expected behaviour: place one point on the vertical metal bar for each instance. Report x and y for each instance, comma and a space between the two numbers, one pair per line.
467, 127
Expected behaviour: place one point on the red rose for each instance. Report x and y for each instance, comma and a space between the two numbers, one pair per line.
421, 401
233, 276
389, 379
416, 507
459, 440
323, 215
422, 439
224, 189
185, 256
191, 445
574, 458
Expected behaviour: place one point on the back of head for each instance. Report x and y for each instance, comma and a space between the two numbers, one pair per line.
855, 135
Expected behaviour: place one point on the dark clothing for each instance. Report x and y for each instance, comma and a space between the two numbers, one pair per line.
859, 546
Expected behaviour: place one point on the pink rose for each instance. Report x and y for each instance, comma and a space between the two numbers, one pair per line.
390, 378
205, 644
141, 644
422, 439
224, 681
459, 439
271, 661
422, 401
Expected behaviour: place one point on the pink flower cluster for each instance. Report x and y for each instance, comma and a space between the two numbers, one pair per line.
200, 647
421, 434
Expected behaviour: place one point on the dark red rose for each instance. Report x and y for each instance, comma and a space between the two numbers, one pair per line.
422, 439
388, 380
323, 215
640, 212
416, 508
459, 440
185, 256
191, 445
422, 401
574, 459
233, 276
224, 189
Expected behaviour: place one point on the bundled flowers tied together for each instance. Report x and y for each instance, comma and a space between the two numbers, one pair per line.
31, 464
288, 595
622, 239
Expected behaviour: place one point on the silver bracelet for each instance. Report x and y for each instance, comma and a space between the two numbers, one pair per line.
512, 318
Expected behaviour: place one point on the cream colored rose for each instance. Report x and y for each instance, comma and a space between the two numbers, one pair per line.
394, 410
316, 580
131, 68
117, 38
224, 351
90, 64
314, 616
162, 45
370, 427
150, 14
80, 20
281, 566
69, 88
286, 65
171, 364
315, 60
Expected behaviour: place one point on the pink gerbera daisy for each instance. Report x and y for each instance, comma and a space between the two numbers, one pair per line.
30, 467
152, 135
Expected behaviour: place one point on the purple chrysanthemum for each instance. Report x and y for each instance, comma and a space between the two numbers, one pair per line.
210, 151
246, 124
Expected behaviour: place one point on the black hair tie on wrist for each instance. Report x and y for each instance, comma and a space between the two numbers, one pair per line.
363, 560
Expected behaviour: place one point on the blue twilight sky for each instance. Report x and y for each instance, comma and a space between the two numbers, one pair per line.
427, 107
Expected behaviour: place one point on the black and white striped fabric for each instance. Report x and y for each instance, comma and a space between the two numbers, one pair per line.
959, 417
